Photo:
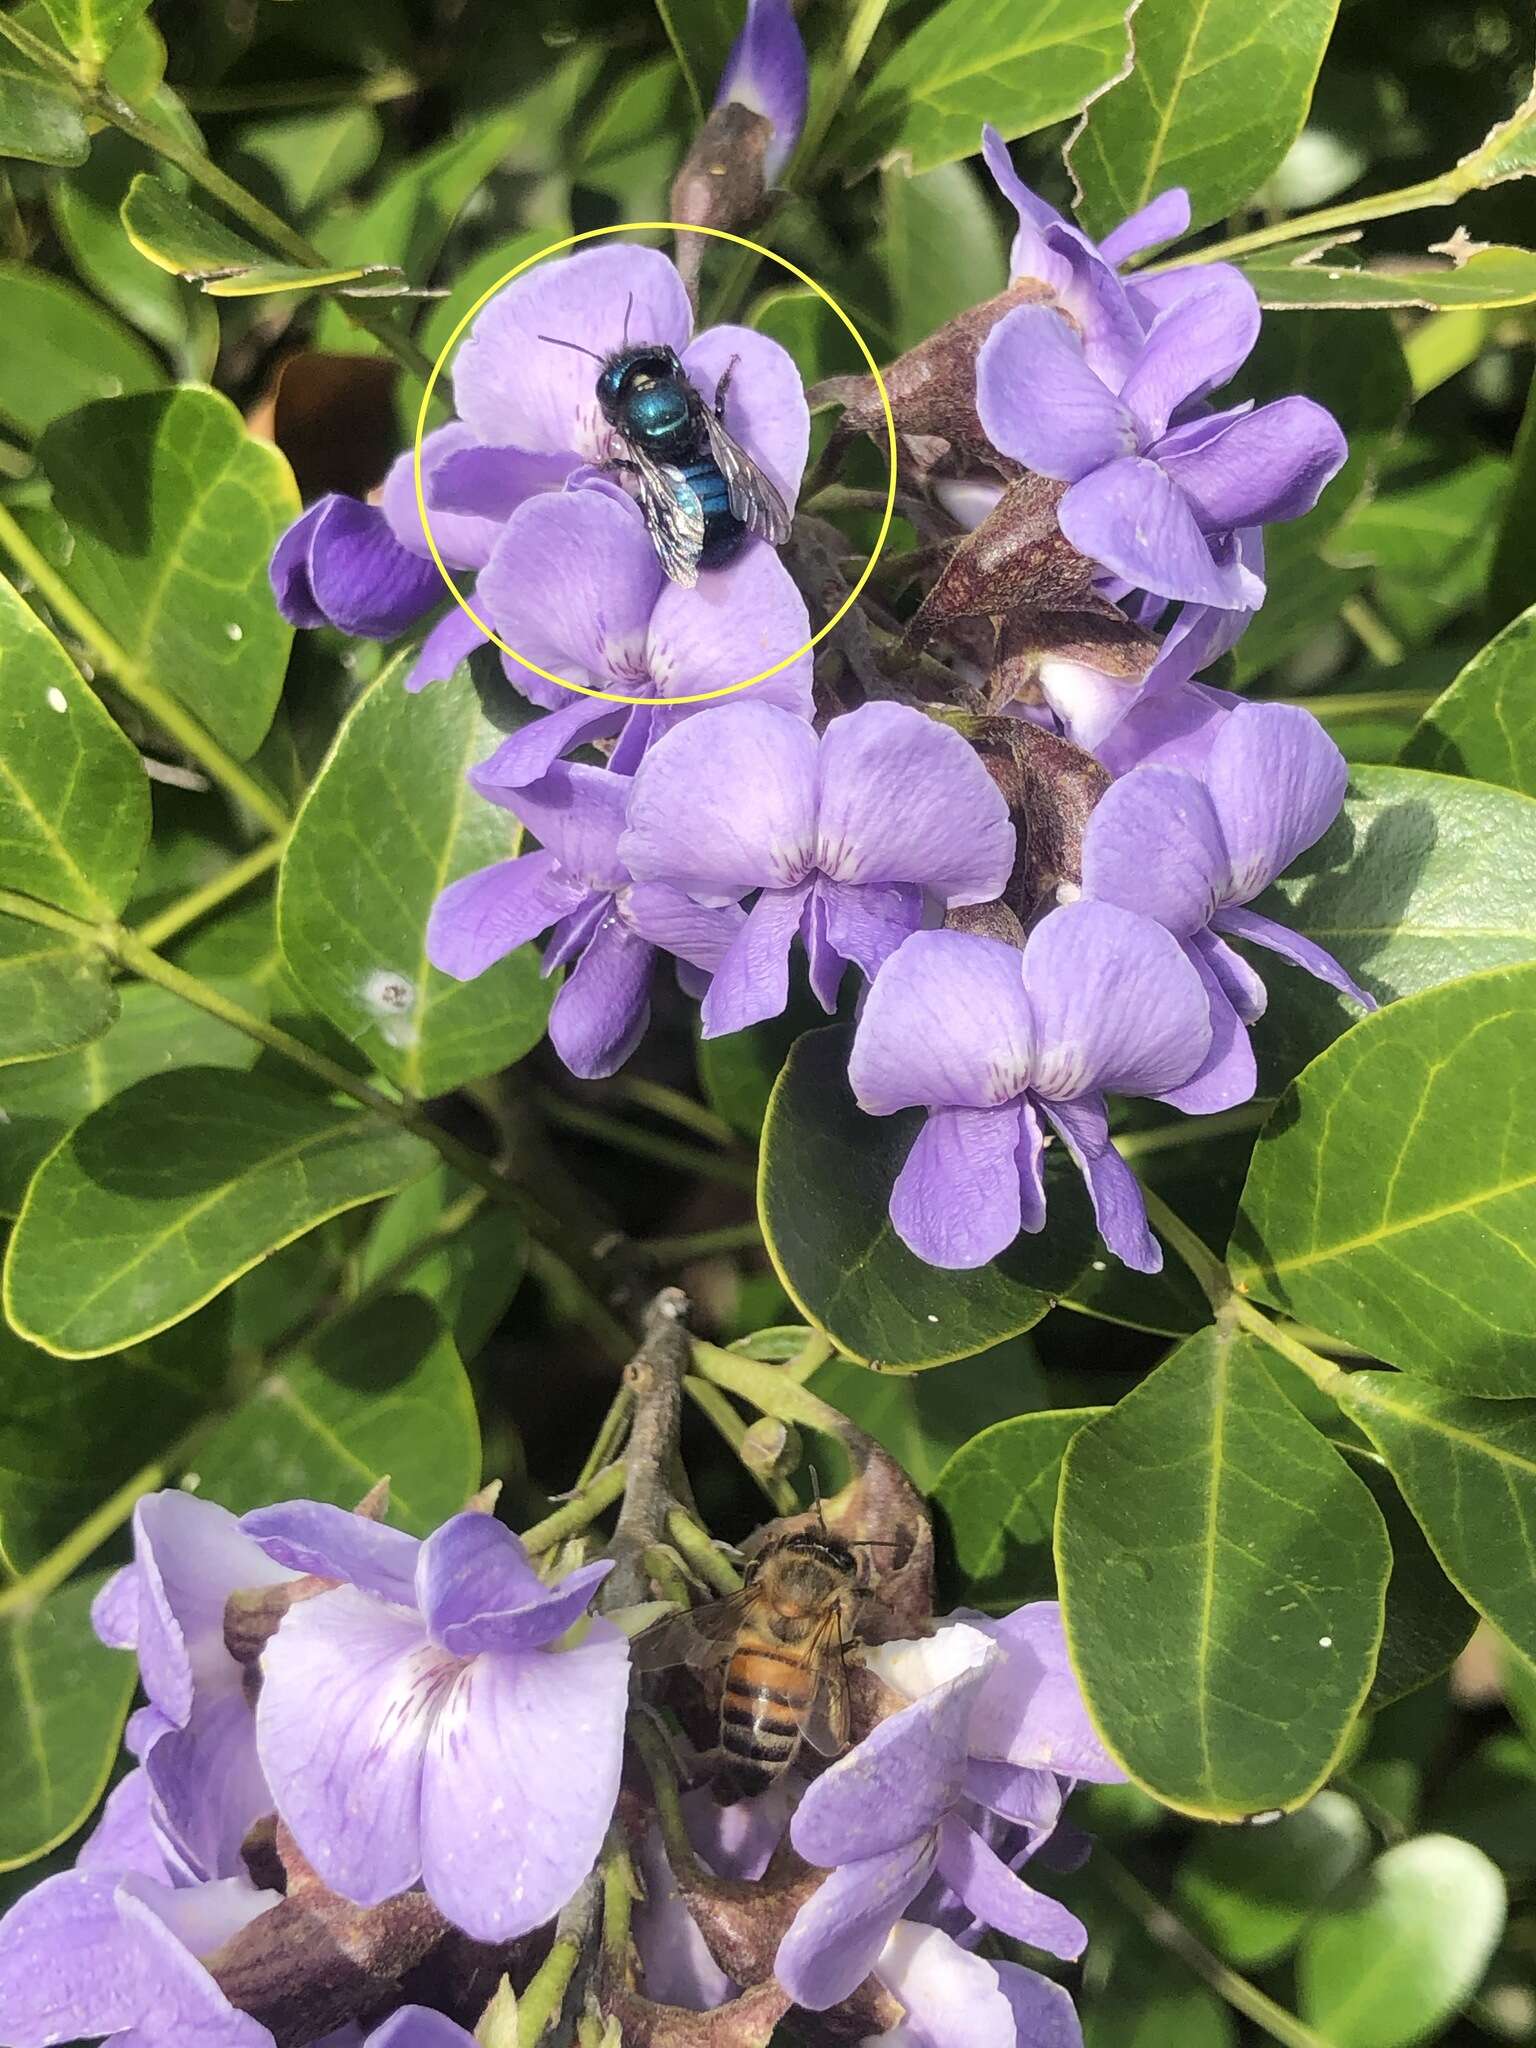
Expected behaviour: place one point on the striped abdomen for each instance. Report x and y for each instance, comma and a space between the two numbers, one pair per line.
768, 1693
722, 529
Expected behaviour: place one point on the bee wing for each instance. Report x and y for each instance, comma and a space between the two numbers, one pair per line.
673, 514
702, 1636
754, 499
826, 1726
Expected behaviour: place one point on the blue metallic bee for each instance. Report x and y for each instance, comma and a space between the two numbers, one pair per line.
700, 492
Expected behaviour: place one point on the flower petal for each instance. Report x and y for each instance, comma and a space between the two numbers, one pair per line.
1135, 520
751, 983
766, 72
956, 1201
477, 1590
1001, 1899
453, 639
488, 484
1117, 1006
418, 2026
730, 625
1304, 953
115, 1610
673, 921
1276, 780
1118, 1208
1041, 403
1153, 845
517, 389
835, 1939
1193, 347
571, 585
1162, 219
176, 1998
726, 802
463, 541
1043, 2012
1169, 726
1228, 1074
124, 1836
69, 1967
601, 1012
482, 917
577, 814
363, 581
865, 922
947, 1023
521, 1777
1267, 465
288, 570
535, 748
191, 1555
950, 831
1030, 1712
765, 409
209, 1786
333, 1543
952, 1997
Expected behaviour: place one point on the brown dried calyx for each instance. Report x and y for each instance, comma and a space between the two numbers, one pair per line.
722, 183
747, 2021
1017, 559
1051, 787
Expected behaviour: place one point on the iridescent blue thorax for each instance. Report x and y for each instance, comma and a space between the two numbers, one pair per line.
645, 393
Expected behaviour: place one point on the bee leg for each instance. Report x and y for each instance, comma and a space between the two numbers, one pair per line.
723, 386
616, 463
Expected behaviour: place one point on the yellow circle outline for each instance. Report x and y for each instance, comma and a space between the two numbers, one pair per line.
675, 227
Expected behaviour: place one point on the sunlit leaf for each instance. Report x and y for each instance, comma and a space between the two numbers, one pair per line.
1485, 723
61, 350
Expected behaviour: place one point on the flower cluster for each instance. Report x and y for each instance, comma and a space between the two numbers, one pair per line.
360, 1748
1105, 522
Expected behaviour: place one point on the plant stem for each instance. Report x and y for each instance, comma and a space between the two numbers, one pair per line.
572, 1516
1373, 632
662, 1772
619, 1894
695, 1546
1351, 704
188, 909
767, 1387
1170, 1933
661, 1569
1322, 1372
1214, 1279
680, 1108
610, 1435
50, 1572
134, 681
394, 84
680, 51
1443, 191
866, 18
713, 1404
560, 1280
539, 2006
815, 1351
654, 1377
612, 1130
1248, 1116
699, 1244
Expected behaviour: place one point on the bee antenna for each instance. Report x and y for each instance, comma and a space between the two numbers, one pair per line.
629, 306
816, 1498
555, 340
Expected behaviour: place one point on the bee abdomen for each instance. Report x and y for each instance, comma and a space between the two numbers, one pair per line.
766, 1698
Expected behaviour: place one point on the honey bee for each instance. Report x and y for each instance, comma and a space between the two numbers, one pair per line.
784, 1636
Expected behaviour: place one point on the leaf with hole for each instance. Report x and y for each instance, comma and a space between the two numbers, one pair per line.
177, 235
1316, 274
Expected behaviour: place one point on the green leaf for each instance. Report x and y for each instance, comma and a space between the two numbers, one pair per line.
737, 1072
702, 32
155, 1030
70, 1434
1020, 64
40, 122
1485, 724
174, 510
629, 149
1392, 1964
1215, 98
175, 234
922, 1417
379, 1393
1507, 151
1222, 1579
55, 993
85, 211
74, 801
469, 1273
388, 824
1152, 2000
1253, 1890
175, 1188
1313, 274
824, 1184
1467, 1468
63, 1697
1428, 1623
1392, 1200
998, 1498
92, 29
944, 249
61, 350
316, 155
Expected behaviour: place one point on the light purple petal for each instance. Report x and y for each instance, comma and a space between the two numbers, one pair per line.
68, 1965
766, 72
765, 408
488, 484
115, 1610
1030, 1712
947, 1023
825, 965
1088, 704
1030, 1799
577, 814
1041, 403
350, 1689
1029, 206
1304, 953
477, 1590
1267, 465
676, 1967
1162, 219
950, 831
952, 1998
1117, 1006
333, 1543
1030, 1160
1228, 1074
751, 983
726, 802
1001, 1899
1153, 845
957, 1201
516, 390
731, 625
453, 639
1241, 986
535, 748
1276, 780
1118, 1208
669, 919
835, 1939
1134, 520
1169, 726
521, 1777
601, 1012
571, 585
418, 2026
191, 1555
464, 542
362, 579
209, 1785
865, 923
1193, 347
482, 917
1043, 2012
177, 2000
288, 571
124, 1836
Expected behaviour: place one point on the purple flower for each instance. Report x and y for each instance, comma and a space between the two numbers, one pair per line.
766, 72
954, 1999
197, 1736
1191, 850
988, 1040
844, 835
417, 2026
523, 396
86, 1954
420, 1723
578, 884
575, 585
1158, 488
908, 1805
